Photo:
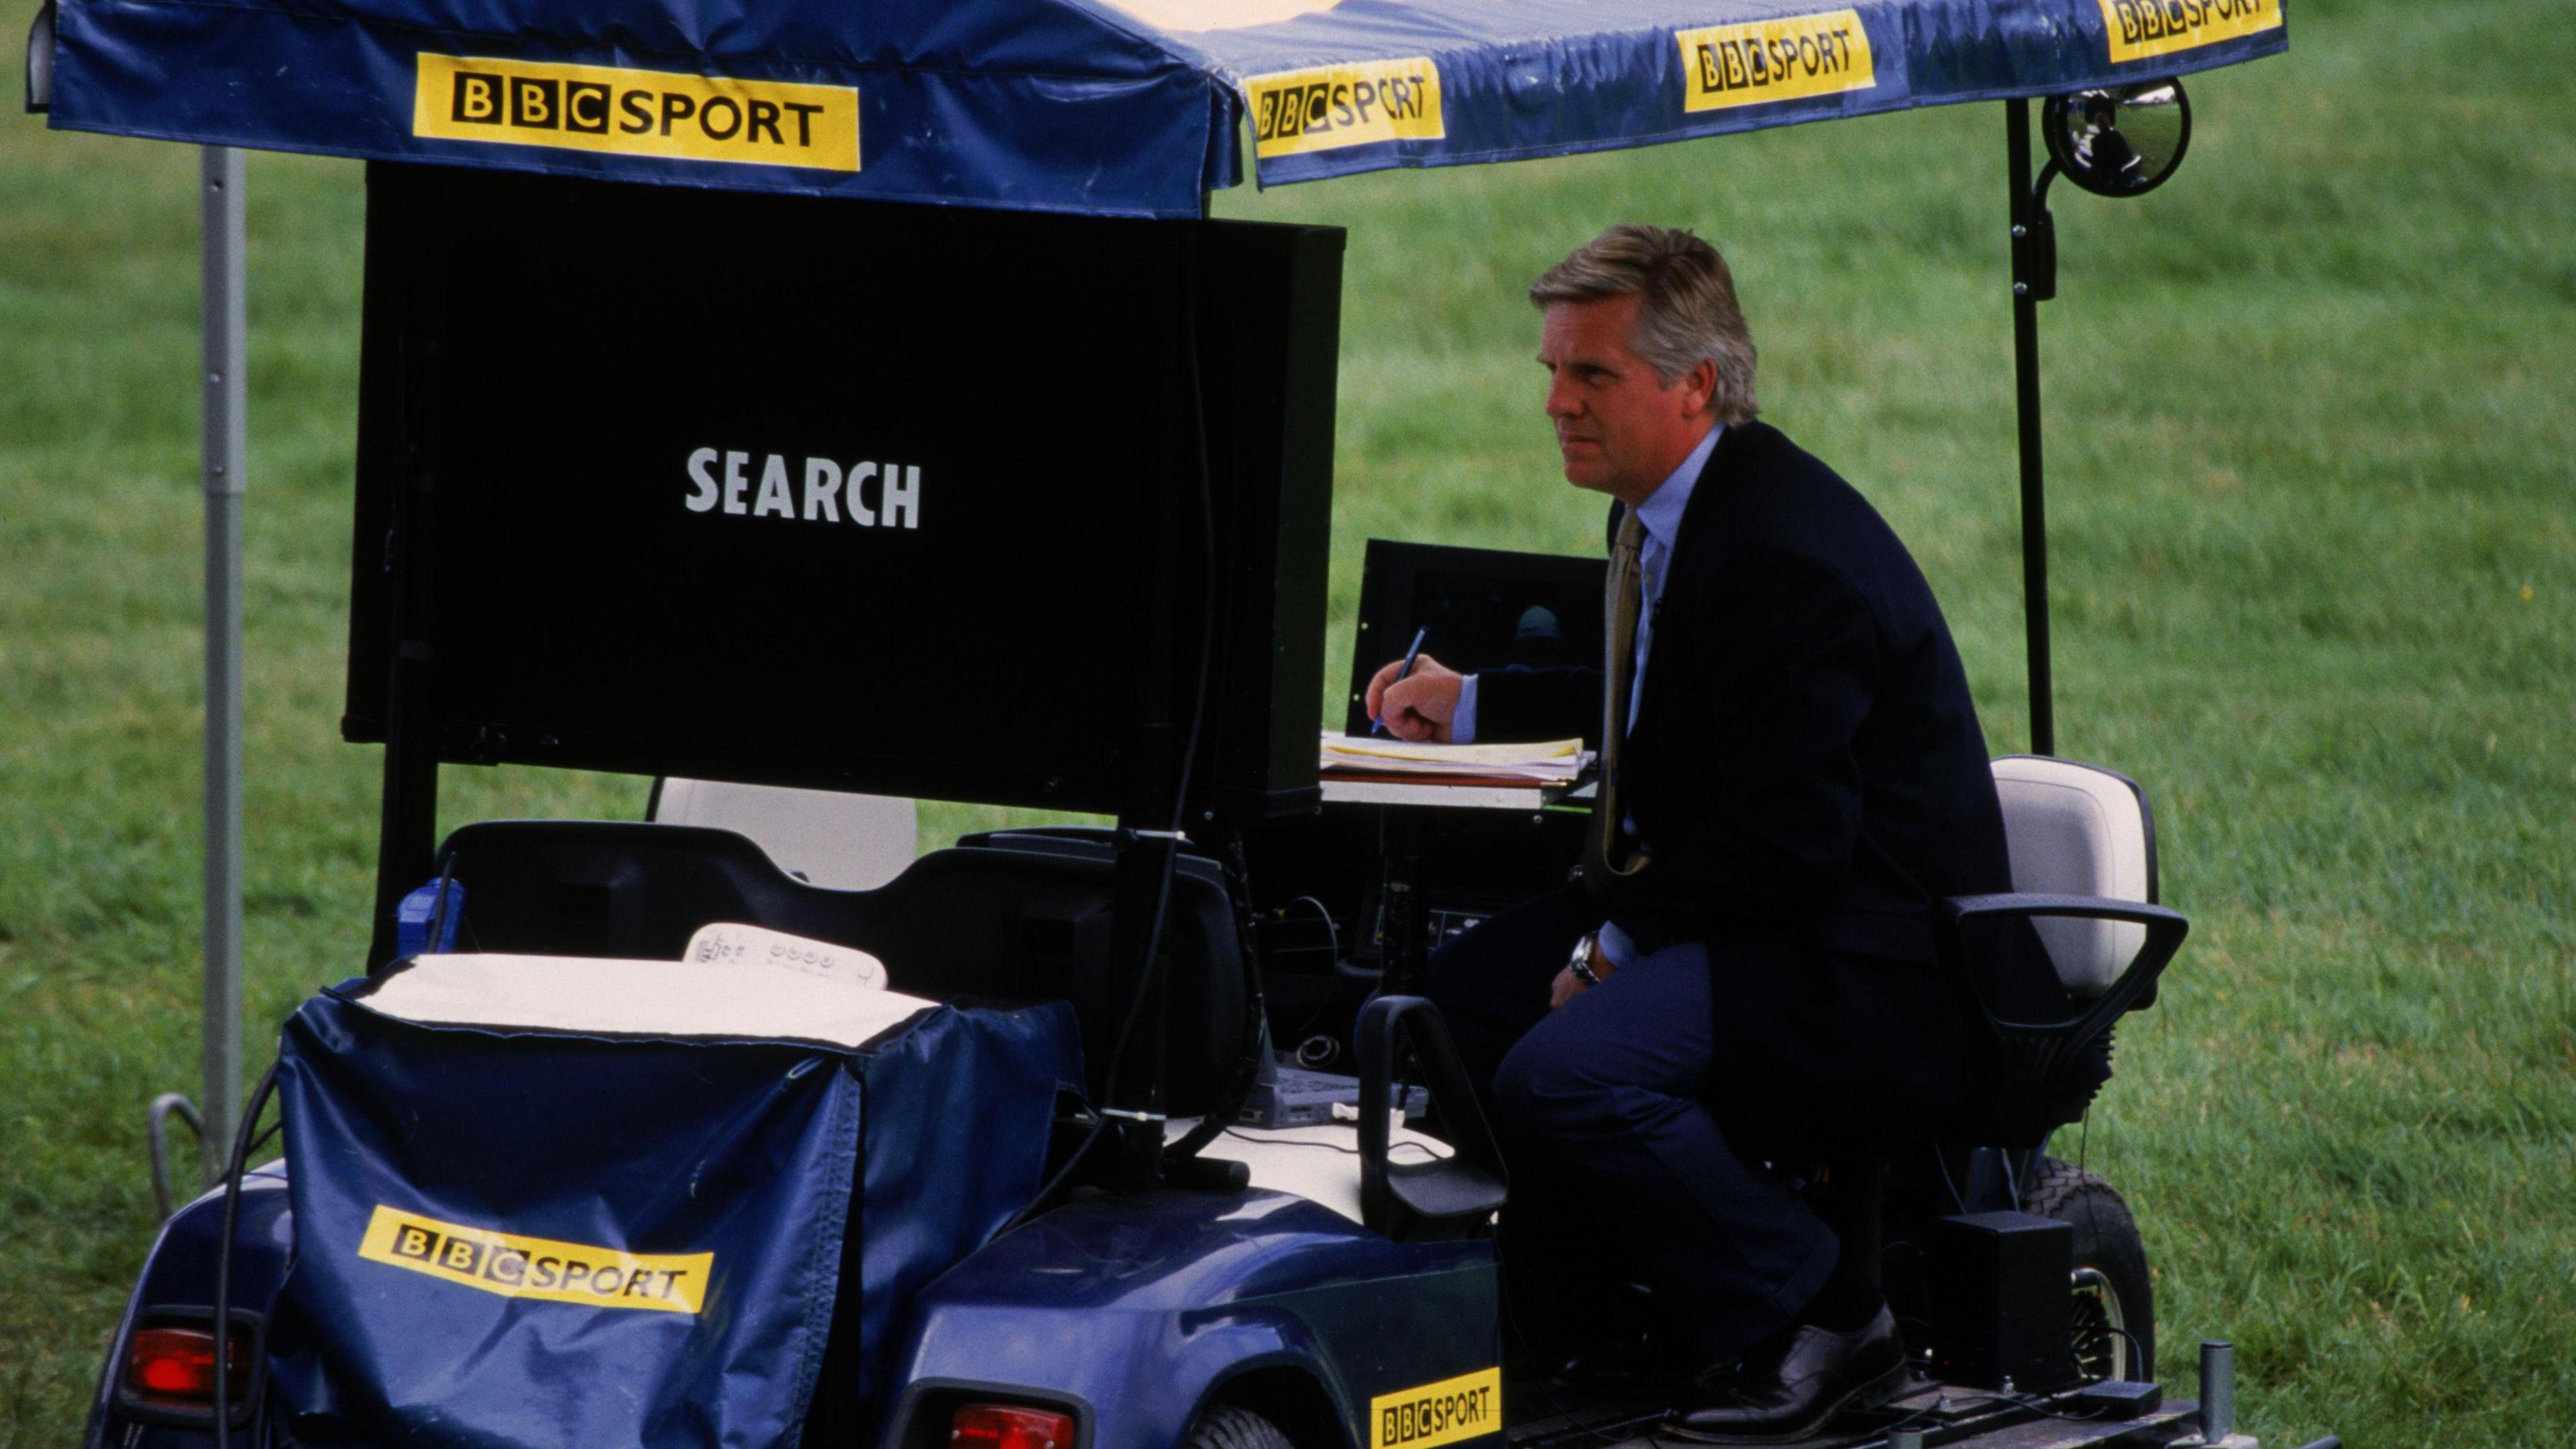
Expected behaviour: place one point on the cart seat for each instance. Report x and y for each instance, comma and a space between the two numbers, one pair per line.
2079, 830
992, 925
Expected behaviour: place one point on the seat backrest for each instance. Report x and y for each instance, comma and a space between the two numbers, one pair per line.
999, 922
997, 925
846, 842
2078, 829
621, 888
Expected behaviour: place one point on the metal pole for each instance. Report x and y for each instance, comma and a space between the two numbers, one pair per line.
2034, 507
2217, 1391
225, 324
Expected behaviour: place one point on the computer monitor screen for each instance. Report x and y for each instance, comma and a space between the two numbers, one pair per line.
1482, 609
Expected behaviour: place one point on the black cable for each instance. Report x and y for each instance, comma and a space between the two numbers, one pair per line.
1927, 1416
242, 1141
2039, 1406
1189, 747
1228, 1106
438, 908
2135, 1347
1428, 1154
1118, 1051
1332, 933
1973, 1398
1958, 1199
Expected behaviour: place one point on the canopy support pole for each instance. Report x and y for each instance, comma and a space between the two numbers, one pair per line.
2030, 287
225, 420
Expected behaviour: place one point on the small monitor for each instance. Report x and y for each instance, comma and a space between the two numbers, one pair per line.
1484, 608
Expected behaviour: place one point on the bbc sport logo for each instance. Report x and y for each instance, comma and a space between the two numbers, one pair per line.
636, 112
1294, 112
2144, 29
516, 1266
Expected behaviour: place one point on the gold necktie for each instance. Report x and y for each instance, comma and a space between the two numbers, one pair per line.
1626, 597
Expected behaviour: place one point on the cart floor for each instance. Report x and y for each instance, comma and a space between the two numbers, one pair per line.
1971, 1418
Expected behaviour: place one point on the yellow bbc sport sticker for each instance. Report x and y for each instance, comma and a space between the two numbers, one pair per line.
1297, 111
1775, 60
636, 112
1469, 1406
2142, 29
521, 1267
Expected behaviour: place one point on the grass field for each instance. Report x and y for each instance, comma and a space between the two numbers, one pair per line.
2313, 412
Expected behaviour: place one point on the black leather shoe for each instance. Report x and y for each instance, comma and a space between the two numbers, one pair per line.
1818, 1374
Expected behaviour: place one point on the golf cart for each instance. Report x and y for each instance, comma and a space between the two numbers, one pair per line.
683, 453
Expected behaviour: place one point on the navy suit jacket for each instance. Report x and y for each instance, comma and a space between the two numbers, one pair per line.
1807, 772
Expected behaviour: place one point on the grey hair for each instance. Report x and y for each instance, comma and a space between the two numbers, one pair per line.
1688, 309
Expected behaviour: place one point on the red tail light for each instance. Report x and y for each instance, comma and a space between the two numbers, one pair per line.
176, 1366
1006, 1426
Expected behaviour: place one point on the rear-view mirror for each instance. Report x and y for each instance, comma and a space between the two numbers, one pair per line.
2119, 140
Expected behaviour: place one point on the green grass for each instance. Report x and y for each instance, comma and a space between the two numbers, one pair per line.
2313, 408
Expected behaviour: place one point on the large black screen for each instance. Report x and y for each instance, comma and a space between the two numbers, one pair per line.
838, 493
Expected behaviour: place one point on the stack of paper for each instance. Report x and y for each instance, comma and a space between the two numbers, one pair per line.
1365, 757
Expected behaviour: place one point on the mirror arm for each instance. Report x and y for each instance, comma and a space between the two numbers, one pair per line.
2039, 188
2035, 242
2043, 252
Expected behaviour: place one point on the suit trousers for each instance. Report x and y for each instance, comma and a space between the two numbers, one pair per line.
1608, 1113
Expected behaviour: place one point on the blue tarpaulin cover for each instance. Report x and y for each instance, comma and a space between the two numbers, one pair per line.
515, 1237
1129, 107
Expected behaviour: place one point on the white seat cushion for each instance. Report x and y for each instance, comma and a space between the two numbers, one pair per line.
748, 999
2077, 829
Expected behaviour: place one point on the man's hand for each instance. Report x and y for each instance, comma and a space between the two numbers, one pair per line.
1567, 984
1419, 706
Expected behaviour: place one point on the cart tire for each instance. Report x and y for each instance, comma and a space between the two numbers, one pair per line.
2112, 1289
1229, 1427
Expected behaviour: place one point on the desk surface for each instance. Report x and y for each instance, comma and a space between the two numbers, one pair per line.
1450, 797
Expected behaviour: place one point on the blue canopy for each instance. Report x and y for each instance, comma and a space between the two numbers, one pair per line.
1129, 107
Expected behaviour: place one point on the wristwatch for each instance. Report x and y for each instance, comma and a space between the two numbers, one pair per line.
1581, 965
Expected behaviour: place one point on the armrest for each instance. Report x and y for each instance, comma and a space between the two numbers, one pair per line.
1451, 1198
2050, 1070
2136, 984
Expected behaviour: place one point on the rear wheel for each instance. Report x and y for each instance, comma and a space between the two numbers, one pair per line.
2115, 1311
1229, 1427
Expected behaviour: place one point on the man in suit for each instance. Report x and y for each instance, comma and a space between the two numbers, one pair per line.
1793, 775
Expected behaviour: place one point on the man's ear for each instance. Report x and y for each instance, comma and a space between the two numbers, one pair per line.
1699, 385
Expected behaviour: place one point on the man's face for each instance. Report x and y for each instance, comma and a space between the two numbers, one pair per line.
1622, 431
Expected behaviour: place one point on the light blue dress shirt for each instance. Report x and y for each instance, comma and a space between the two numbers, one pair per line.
1661, 514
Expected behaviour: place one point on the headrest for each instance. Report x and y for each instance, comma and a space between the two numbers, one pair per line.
2078, 829
824, 837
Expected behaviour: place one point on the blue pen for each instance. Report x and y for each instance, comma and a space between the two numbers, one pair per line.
1378, 726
